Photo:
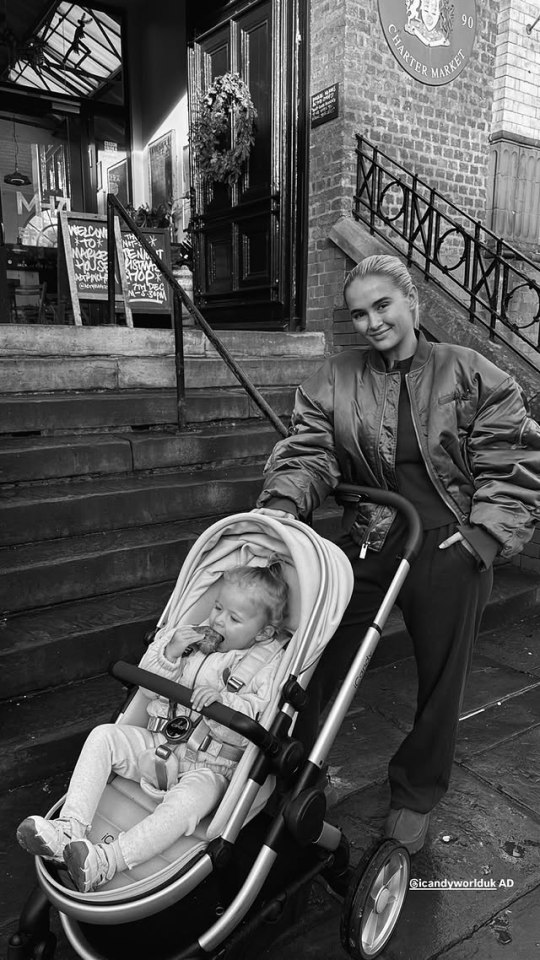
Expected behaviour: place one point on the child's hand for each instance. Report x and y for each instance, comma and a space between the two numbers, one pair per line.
204, 696
182, 637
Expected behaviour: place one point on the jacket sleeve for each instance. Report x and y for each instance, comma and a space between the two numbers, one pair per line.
154, 659
303, 467
505, 467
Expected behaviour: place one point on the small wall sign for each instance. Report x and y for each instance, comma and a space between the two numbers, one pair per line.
431, 39
325, 105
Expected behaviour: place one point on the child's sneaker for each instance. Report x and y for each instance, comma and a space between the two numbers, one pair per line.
47, 838
88, 864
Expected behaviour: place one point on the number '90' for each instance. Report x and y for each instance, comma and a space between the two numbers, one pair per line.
467, 21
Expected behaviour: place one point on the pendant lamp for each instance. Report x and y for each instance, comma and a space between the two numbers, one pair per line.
17, 179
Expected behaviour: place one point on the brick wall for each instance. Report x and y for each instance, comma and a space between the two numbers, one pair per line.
440, 132
516, 106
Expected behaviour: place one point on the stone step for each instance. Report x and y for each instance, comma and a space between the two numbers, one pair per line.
41, 374
74, 641
63, 414
32, 458
36, 512
60, 571
112, 341
100, 564
41, 733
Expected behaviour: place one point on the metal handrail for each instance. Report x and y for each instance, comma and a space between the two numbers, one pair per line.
181, 297
476, 268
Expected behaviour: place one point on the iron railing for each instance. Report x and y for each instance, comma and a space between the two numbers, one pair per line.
498, 285
114, 207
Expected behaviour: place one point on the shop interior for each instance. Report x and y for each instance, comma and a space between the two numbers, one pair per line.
66, 142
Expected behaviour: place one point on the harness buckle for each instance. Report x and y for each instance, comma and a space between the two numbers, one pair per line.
178, 729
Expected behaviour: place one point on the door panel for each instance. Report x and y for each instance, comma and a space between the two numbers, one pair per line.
218, 249
254, 252
254, 43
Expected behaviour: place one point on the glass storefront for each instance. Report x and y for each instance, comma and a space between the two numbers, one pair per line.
63, 146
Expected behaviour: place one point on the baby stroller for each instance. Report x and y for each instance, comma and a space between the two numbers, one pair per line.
207, 894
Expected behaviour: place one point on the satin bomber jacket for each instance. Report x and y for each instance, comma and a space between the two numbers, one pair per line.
480, 448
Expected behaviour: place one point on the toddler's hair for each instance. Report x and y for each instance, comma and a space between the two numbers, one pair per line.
271, 584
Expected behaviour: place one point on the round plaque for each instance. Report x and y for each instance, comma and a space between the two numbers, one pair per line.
431, 39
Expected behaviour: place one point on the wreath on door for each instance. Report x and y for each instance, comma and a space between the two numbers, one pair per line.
226, 103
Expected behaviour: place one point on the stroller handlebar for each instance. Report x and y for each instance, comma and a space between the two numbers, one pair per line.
233, 719
348, 494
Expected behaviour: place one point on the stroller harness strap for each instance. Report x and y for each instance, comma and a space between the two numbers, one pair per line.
196, 735
256, 657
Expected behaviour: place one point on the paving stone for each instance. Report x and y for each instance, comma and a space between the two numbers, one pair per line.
514, 933
513, 767
499, 722
391, 691
517, 647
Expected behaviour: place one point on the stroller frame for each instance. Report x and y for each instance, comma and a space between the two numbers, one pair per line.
301, 813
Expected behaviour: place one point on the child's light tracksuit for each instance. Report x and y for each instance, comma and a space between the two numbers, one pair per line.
203, 773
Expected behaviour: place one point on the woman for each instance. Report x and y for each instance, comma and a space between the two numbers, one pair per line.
448, 430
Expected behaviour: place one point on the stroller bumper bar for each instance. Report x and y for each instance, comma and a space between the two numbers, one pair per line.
348, 495
233, 719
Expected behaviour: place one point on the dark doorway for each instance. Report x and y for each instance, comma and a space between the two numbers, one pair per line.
248, 262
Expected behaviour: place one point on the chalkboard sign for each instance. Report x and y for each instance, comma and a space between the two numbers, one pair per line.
160, 157
147, 290
325, 105
82, 262
83, 266
117, 181
86, 238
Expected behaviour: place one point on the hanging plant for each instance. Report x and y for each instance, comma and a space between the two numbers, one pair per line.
226, 103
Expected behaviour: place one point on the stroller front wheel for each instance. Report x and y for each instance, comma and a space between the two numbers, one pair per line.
374, 900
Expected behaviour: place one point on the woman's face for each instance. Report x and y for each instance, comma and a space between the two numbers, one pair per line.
383, 314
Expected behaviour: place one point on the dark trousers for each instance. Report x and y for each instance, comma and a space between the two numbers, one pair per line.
442, 602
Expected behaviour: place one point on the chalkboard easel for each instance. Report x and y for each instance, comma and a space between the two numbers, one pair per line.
83, 265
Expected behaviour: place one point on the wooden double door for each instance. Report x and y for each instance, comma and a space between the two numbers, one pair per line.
249, 259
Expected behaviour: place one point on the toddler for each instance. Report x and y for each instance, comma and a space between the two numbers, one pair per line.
180, 758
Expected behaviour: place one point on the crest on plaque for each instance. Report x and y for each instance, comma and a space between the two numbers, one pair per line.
431, 39
430, 20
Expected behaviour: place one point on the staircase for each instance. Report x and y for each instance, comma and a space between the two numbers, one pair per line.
102, 497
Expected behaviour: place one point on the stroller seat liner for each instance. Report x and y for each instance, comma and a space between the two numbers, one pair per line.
122, 805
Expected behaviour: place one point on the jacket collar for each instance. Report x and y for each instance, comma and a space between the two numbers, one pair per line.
421, 356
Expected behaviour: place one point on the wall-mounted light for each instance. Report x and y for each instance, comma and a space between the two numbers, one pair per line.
530, 26
17, 179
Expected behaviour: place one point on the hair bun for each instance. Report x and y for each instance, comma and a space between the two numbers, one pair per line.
274, 564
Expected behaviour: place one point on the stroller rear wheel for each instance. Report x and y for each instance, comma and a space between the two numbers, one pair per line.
374, 900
